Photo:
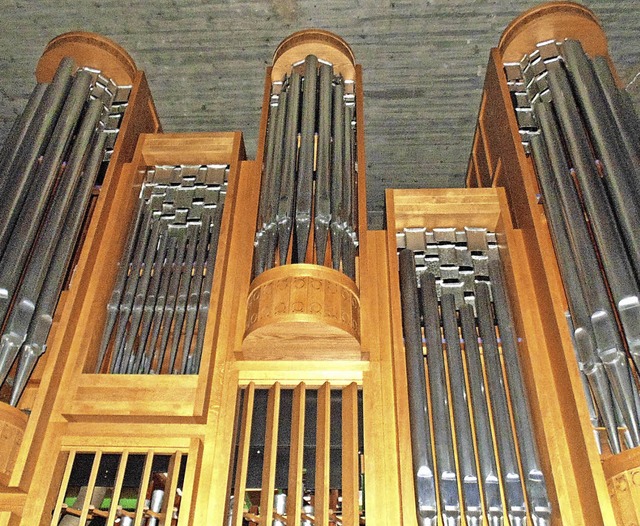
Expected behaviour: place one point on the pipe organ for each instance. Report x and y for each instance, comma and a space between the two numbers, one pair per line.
227, 343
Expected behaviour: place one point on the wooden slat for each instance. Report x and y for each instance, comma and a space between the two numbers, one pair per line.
90, 487
243, 454
270, 455
142, 491
189, 485
63, 488
117, 488
170, 489
294, 496
323, 449
350, 471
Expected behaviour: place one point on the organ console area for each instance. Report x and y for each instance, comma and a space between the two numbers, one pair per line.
226, 342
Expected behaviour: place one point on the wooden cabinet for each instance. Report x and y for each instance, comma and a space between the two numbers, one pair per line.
336, 344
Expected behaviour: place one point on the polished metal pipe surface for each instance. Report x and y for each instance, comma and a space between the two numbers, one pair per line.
603, 222
304, 191
608, 342
337, 169
18, 133
27, 224
34, 145
461, 417
121, 278
534, 482
347, 212
619, 174
195, 289
43, 316
442, 436
482, 423
585, 346
625, 116
266, 184
44, 246
423, 467
286, 201
511, 479
323, 163
205, 297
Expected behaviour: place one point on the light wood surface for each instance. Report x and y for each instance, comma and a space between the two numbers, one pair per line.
88, 49
300, 312
12, 426
323, 44
552, 20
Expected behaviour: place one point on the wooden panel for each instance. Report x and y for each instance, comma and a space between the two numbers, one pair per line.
434, 208
568, 483
242, 463
383, 488
188, 148
323, 449
91, 485
300, 312
553, 20
350, 464
170, 488
323, 44
87, 49
145, 480
145, 395
117, 487
270, 455
9, 519
12, 426
294, 496
63, 488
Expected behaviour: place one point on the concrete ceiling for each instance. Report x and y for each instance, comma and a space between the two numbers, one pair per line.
424, 64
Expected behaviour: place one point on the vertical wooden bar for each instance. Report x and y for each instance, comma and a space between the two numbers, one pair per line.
270, 455
350, 471
142, 492
90, 487
294, 496
117, 488
63, 488
170, 489
243, 455
323, 449
190, 484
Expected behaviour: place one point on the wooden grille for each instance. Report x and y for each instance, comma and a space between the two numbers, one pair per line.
298, 457
124, 488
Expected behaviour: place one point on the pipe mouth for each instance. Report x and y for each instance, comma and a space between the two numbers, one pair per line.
325, 45
552, 21
88, 50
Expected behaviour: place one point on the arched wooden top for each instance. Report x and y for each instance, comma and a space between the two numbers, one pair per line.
552, 20
87, 49
323, 44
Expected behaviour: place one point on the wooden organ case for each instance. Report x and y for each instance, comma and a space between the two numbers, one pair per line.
297, 410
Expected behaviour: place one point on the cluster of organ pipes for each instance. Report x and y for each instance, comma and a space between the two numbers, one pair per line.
583, 135
454, 300
49, 165
308, 196
157, 313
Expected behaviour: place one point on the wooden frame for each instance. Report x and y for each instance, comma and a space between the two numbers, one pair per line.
573, 491
610, 477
